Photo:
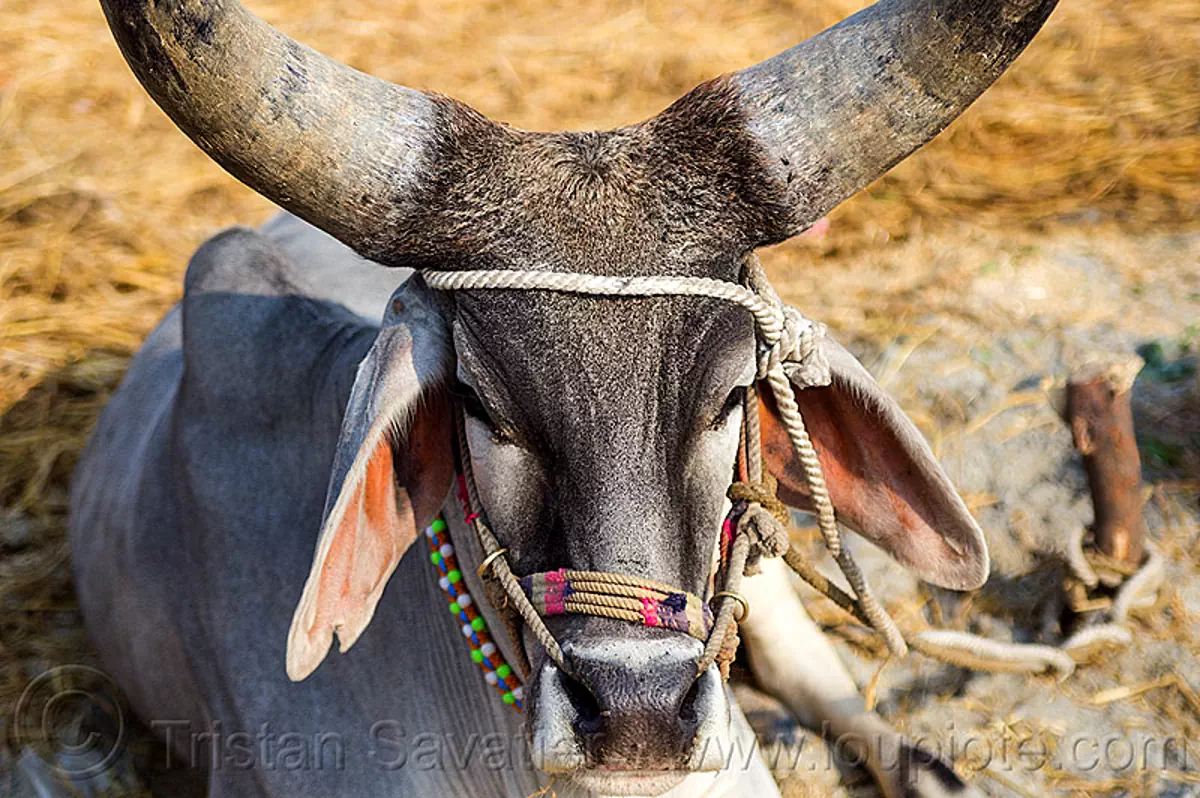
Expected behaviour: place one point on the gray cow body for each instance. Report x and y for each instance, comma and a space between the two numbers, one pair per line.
194, 517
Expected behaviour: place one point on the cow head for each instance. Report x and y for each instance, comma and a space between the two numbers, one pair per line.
602, 431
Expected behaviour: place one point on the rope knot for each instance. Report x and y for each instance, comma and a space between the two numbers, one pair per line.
798, 351
765, 520
761, 493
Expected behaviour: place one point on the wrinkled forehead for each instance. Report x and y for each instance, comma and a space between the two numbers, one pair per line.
553, 358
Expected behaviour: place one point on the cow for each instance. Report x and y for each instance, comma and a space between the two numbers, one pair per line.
295, 431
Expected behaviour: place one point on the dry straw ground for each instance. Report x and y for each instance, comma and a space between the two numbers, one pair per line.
1094, 135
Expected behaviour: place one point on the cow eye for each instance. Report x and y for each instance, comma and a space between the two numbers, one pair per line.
733, 401
475, 408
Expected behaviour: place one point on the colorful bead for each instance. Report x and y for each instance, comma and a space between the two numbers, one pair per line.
474, 628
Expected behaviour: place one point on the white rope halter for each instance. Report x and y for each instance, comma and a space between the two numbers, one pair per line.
789, 357
788, 342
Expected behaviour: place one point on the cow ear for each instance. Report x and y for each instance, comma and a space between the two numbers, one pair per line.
391, 472
882, 477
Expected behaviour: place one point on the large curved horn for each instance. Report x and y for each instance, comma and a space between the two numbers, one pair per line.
343, 150
840, 109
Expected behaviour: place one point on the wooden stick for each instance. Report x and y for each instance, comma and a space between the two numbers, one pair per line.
1101, 418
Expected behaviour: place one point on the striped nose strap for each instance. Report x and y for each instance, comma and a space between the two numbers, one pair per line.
625, 598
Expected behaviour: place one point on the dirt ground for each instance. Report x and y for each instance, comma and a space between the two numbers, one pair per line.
1061, 214
980, 368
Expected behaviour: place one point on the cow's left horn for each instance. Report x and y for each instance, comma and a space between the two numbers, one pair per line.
837, 111
349, 153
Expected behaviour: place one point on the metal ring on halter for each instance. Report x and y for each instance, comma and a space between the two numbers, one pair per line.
738, 597
488, 560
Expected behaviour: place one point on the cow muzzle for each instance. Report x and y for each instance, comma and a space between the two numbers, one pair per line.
632, 708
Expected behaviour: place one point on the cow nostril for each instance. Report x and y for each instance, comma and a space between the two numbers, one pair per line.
589, 721
687, 707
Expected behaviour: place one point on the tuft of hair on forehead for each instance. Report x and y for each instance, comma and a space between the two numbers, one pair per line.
666, 196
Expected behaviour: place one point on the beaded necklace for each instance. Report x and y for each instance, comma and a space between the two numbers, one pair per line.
498, 673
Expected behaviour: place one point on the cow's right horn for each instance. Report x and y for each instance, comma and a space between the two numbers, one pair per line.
837, 111
352, 154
